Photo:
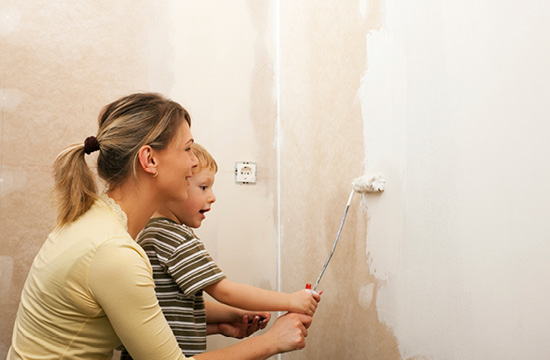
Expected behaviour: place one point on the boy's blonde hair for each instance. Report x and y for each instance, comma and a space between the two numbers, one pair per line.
206, 161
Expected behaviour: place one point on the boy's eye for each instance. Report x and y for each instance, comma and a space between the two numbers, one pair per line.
203, 187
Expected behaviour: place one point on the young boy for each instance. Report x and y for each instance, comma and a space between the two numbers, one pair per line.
183, 269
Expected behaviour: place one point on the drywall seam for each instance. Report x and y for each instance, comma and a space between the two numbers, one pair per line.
277, 80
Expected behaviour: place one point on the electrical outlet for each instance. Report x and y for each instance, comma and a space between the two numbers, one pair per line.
245, 172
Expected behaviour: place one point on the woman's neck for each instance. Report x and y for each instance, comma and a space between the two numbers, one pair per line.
138, 202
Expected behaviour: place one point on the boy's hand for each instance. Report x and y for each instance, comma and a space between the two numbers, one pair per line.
249, 324
304, 302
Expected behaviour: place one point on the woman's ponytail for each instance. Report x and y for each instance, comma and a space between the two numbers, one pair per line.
75, 188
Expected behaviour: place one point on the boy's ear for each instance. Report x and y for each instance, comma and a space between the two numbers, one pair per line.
147, 161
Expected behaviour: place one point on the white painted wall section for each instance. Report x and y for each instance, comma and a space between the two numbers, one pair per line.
455, 106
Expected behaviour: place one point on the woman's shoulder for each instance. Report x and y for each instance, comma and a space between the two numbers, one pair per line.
95, 228
100, 219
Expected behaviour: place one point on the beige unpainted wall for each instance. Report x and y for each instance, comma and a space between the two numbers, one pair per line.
322, 60
261, 85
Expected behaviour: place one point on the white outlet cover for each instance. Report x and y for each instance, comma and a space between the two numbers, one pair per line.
245, 172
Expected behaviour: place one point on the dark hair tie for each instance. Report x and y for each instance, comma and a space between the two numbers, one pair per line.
90, 145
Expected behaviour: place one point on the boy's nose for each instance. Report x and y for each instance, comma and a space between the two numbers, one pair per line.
212, 198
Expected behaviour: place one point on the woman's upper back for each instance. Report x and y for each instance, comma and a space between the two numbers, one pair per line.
62, 312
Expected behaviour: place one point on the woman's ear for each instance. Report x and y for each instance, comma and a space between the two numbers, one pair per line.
147, 160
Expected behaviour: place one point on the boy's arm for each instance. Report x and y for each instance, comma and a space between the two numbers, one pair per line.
220, 313
217, 312
233, 322
253, 298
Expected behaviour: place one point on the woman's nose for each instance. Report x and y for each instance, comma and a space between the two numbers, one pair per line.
194, 159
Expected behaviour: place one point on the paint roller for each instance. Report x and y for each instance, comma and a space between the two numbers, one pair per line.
360, 185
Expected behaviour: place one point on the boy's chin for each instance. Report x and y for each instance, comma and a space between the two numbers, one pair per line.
195, 224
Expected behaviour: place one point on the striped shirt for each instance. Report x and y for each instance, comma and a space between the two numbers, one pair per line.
182, 268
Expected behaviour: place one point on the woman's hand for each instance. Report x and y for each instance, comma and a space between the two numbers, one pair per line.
289, 331
286, 334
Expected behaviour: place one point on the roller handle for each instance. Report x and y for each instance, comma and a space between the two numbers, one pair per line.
311, 291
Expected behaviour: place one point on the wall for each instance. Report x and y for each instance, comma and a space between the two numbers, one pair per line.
62, 61
446, 100
322, 60
454, 102
450, 99
60, 64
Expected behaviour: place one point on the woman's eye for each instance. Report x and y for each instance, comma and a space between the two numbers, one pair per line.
188, 149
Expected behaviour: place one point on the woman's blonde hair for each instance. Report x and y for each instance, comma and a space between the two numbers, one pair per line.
206, 161
125, 126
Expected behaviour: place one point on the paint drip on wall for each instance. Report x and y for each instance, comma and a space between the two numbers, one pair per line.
366, 294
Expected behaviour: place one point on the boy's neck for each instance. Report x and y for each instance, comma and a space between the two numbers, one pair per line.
163, 212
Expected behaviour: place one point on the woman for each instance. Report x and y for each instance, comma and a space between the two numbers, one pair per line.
90, 287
